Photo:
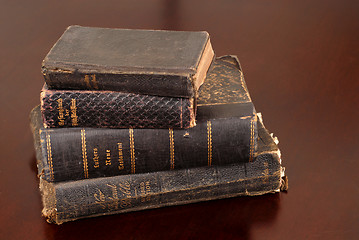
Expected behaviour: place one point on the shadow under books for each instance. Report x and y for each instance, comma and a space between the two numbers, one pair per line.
227, 218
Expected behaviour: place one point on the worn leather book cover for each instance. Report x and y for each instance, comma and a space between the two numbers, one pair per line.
224, 88
153, 62
226, 133
68, 201
74, 108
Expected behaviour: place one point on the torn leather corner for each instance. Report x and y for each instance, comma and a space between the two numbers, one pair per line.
48, 193
284, 183
41, 174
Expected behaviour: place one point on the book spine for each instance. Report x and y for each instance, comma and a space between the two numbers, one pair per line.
68, 201
61, 108
81, 153
147, 84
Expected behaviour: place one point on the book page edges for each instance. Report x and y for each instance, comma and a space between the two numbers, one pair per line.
203, 66
192, 111
284, 179
43, 93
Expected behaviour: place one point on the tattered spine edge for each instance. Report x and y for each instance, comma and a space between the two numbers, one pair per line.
284, 179
48, 197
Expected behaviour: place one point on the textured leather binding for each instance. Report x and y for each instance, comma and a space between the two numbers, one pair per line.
80, 153
226, 133
144, 83
164, 63
223, 92
64, 108
68, 201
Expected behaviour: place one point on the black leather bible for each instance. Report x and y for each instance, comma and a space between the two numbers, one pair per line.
75, 108
71, 200
163, 63
226, 133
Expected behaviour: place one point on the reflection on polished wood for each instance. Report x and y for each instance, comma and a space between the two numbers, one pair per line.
300, 61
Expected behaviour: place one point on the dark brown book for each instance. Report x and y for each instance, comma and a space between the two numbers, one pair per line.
71, 200
226, 133
153, 62
224, 90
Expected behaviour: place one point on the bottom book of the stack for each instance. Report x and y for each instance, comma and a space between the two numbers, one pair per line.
71, 200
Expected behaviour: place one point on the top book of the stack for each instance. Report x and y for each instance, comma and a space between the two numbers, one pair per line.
152, 62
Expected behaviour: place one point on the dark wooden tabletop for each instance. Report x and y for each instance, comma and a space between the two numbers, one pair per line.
301, 64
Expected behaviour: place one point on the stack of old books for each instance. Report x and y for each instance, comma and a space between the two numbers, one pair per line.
138, 119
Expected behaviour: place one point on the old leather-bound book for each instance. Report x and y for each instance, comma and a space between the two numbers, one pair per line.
110, 109
71, 200
161, 63
226, 133
224, 87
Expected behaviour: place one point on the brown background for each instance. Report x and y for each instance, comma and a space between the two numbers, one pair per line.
301, 64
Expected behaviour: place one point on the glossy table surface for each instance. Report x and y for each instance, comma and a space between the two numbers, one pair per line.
301, 64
